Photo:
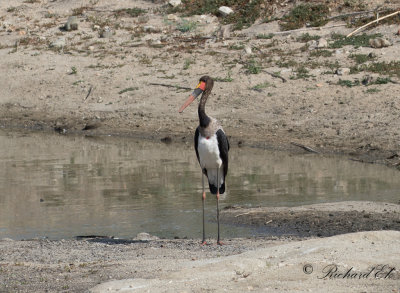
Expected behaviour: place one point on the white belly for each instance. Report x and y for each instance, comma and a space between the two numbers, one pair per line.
209, 159
209, 152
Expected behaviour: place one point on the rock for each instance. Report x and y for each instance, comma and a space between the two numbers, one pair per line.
165, 38
146, 236
174, 3
247, 50
150, 29
166, 139
379, 43
91, 48
312, 45
339, 51
225, 31
225, 10
343, 71
106, 32
156, 42
72, 23
322, 43
143, 18
59, 43
367, 80
8, 27
374, 43
172, 17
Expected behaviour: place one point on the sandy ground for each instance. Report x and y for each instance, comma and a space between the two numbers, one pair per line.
132, 83
306, 266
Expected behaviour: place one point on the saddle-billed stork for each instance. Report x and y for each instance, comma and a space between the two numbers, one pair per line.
211, 145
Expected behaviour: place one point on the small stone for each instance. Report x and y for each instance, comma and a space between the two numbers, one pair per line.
225, 10
166, 139
165, 38
174, 3
10, 29
143, 18
339, 52
379, 43
312, 45
106, 32
367, 80
172, 17
145, 236
72, 23
59, 43
91, 48
343, 71
247, 50
150, 29
322, 43
374, 43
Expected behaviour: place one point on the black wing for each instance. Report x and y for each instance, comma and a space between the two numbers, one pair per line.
196, 143
223, 145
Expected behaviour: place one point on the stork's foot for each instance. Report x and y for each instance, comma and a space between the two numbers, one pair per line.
203, 243
220, 243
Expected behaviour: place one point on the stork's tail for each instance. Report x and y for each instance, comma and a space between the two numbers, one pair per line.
213, 188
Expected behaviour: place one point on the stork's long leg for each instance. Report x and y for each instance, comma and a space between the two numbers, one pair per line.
203, 200
218, 239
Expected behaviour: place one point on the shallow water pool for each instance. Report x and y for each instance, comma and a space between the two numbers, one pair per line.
59, 186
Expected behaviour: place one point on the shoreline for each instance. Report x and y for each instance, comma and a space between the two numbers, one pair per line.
369, 154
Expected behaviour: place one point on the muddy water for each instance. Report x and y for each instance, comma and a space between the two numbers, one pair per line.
60, 187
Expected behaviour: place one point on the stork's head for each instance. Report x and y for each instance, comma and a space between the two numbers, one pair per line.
205, 84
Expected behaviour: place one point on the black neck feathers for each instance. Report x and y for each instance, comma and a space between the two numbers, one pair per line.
203, 118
